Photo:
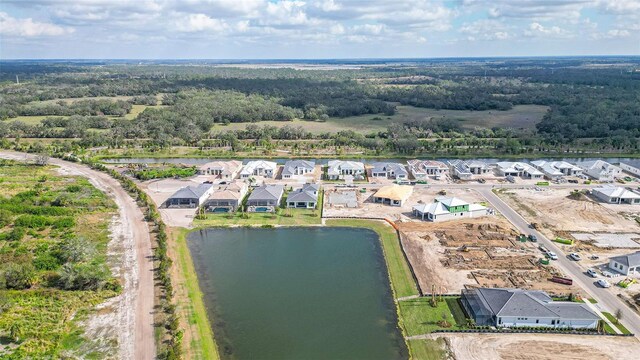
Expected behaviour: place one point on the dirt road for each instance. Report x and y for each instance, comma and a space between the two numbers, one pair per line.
134, 323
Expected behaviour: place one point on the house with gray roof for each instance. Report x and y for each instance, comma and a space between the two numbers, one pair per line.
304, 198
466, 169
631, 166
519, 308
556, 170
226, 198
297, 168
626, 264
389, 170
600, 170
265, 198
189, 196
338, 169
616, 195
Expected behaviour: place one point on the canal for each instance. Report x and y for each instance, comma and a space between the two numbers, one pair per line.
297, 293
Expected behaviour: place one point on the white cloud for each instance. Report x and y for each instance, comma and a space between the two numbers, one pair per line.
538, 30
200, 22
29, 28
486, 29
534, 9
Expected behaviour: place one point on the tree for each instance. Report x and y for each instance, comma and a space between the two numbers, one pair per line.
618, 315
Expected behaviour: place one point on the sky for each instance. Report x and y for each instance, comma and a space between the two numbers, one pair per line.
315, 29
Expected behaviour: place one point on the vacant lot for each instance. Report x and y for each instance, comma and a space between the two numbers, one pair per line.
559, 214
541, 347
454, 255
521, 116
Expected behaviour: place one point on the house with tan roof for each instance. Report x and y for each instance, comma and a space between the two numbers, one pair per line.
226, 198
394, 195
221, 169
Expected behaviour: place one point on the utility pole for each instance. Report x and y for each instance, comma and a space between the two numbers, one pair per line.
17, 80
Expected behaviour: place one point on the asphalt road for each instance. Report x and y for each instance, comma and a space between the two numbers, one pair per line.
607, 300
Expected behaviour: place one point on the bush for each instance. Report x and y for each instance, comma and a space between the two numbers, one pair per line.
18, 276
46, 261
32, 221
76, 249
16, 234
83, 276
5, 218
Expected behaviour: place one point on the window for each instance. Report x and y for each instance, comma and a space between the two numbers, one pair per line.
537, 321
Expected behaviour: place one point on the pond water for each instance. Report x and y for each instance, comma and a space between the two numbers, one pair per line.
297, 293
324, 161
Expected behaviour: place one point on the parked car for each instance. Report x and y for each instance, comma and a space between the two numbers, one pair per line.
575, 256
603, 283
533, 238
551, 255
543, 249
573, 181
608, 274
592, 273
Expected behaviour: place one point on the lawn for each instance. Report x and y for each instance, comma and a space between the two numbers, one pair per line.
419, 317
402, 281
190, 305
615, 322
428, 349
32, 120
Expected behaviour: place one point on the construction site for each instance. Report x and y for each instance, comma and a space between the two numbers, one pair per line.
484, 252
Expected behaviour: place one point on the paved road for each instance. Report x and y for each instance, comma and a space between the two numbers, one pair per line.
607, 300
135, 325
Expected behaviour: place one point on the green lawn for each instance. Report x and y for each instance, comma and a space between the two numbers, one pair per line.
419, 317
32, 120
428, 349
399, 272
615, 322
190, 303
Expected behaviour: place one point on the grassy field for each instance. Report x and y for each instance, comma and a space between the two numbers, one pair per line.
521, 116
200, 342
399, 272
42, 216
32, 120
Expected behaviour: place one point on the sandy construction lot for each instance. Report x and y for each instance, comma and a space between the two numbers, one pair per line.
367, 208
454, 255
555, 211
160, 190
541, 347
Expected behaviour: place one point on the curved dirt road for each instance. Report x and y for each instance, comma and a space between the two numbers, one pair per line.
134, 323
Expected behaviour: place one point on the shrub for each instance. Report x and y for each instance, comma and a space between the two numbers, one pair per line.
18, 276
5, 218
63, 223
83, 276
76, 249
32, 221
16, 234
46, 261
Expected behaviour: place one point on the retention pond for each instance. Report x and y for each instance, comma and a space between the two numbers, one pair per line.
297, 293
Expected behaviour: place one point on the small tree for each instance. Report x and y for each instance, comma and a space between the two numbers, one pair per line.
618, 315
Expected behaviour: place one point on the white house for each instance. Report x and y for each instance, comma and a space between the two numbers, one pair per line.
632, 167
626, 264
518, 169
297, 168
443, 209
616, 195
510, 308
465, 169
259, 168
424, 169
337, 169
389, 170
555, 170
600, 170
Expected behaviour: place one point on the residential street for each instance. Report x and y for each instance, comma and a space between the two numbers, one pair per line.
607, 301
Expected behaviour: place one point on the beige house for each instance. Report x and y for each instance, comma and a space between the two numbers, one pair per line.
226, 198
221, 169
394, 195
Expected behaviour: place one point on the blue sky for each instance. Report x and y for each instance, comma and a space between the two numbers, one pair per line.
262, 29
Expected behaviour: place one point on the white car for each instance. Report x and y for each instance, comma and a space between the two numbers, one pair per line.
592, 273
551, 255
575, 256
603, 283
